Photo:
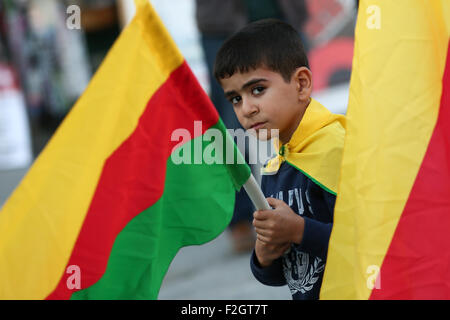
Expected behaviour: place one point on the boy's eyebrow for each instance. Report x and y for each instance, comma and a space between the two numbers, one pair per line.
246, 85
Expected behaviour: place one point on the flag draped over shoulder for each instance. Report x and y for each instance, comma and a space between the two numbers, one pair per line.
315, 147
390, 234
104, 209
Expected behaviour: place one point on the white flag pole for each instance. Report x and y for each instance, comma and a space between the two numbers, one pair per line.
255, 194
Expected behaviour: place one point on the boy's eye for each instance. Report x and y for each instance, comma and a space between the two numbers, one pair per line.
235, 100
257, 90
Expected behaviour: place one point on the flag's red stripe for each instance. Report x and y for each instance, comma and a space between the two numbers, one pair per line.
417, 264
132, 179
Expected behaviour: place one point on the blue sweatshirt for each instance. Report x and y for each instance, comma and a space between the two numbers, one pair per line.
302, 267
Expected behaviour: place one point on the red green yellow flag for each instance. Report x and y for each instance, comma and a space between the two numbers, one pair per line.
106, 206
390, 233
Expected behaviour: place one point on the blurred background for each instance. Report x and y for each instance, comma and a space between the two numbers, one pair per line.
46, 62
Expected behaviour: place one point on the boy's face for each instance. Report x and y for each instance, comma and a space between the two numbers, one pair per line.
262, 99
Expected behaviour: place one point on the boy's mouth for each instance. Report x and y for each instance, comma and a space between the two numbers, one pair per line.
257, 125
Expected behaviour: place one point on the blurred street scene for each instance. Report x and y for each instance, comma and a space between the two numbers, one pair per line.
45, 65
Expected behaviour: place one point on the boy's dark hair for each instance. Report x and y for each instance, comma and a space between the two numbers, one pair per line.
269, 42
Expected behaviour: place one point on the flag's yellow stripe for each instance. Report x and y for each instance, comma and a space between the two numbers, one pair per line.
395, 90
446, 14
40, 222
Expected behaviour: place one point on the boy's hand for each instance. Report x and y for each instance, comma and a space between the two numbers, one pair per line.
267, 253
278, 226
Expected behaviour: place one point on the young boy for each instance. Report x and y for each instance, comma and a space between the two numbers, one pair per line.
264, 72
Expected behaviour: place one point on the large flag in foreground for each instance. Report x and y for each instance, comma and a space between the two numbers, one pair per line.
390, 238
105, 207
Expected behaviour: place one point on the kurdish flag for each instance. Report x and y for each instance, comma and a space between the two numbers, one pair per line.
390, 238
104, 209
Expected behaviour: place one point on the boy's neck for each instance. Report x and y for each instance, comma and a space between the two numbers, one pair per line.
286, 138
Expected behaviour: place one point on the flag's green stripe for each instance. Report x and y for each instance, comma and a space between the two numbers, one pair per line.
197, 205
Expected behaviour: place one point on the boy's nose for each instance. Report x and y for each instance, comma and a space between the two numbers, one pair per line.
250, 108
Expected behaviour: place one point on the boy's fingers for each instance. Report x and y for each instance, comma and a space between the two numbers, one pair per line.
274, 202
268, 241
284, 247
261, 224
262, 214
261, 238
262, 232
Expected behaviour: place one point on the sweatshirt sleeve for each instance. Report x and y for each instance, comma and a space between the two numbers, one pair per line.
315, 238
271, 275
316, 234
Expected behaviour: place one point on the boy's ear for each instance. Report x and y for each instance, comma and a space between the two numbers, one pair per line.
303, 81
